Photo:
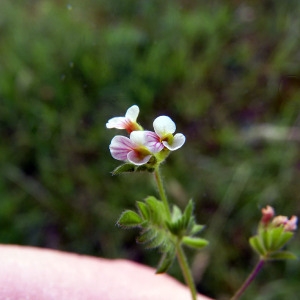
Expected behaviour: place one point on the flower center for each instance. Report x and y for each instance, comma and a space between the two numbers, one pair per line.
168, 138
143, 151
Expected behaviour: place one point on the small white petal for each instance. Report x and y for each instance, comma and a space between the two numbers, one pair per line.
178, 141
132, 113
120, 146
135, 158
117, 122
138, 137
164, 125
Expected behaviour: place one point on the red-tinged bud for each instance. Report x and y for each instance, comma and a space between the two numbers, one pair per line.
267, 214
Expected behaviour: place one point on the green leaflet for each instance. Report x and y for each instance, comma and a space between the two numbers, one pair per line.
257, 245
183, 224
143, 210
147, 235
268, 242
279, 238
158, 240
281, 255
188, 211
194, 242
129, 168
129, 219
151, 217
154, 231
196, 229
157, 211
158, 231
165, 262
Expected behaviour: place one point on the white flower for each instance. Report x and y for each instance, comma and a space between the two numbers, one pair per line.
132, 149
164, 128
128, 122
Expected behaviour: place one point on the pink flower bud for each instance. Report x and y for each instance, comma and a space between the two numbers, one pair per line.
291, 224
267, 214
280, 220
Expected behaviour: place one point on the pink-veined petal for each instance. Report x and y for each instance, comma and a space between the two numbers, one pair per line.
118, 123
132, 113
163, 125
137, 158
120, 146
178, 141
128, 122
152, 142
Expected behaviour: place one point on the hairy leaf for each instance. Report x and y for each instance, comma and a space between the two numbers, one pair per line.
282, 255
127, 167
257, 245
143, 210
129, 219
176, 213
166, 261
156, 210
157, 241
282, 239
194, 242
147, 235
196, 229
187, 215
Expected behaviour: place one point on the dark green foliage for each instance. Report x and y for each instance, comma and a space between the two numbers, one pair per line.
129, 168
157, 231
268, 243
129, 219
165, 262
282, 255
154, 232
184, 224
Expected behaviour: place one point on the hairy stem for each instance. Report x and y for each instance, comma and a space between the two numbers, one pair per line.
161, 191
186, 271
179, 251
249, 279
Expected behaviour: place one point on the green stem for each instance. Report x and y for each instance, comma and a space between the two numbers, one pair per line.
186, 271
179, 251
249, 279
161, 191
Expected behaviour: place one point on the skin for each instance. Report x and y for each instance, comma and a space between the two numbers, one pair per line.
44, 274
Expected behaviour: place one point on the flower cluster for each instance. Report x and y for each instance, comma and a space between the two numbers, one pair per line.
141, 144
272, 235
269, 219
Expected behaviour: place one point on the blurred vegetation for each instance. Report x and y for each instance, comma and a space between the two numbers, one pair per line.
227, 72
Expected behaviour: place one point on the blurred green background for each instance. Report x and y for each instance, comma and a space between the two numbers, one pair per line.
227, 72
